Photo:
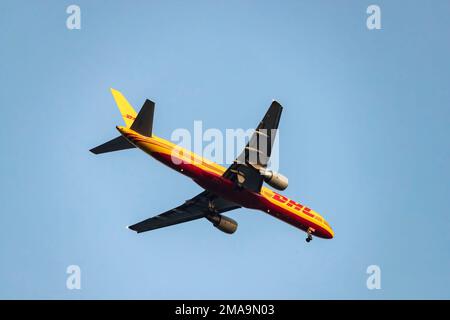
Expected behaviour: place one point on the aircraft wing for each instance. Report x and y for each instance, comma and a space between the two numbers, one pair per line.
198, 207
255, 156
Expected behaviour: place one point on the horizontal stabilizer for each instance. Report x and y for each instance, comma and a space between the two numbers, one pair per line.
116, 144
144, 120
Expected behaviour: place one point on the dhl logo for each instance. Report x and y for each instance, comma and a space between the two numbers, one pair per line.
128, 116
291, 203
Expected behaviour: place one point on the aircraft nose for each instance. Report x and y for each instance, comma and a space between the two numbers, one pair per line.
331, 233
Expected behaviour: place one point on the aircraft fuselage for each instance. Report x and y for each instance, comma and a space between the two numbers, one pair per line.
208, 175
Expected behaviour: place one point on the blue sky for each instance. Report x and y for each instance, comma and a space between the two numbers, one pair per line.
363, 140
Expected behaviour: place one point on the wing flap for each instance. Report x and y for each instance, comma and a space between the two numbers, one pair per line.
166, 219
257, 152
193, 209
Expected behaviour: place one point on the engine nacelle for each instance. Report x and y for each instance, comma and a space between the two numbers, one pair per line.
275, 179
223, 223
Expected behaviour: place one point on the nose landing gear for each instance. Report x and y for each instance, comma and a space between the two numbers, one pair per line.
309, 237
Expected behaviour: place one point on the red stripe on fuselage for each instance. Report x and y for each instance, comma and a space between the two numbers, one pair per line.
246, 198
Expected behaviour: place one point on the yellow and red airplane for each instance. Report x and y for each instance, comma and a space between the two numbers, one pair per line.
240, 185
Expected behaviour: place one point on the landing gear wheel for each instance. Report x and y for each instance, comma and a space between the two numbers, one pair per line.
309, 232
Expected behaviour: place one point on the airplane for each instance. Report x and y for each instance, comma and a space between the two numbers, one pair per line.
225, 189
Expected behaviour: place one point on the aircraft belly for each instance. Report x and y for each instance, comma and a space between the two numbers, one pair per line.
226, 189
295, 220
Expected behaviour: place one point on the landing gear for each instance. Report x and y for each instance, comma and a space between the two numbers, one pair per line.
211, 206
309, 237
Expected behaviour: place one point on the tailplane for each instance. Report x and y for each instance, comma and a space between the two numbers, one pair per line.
142, 123
144, 120
116, 144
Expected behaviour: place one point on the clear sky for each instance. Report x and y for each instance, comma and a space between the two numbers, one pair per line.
364, 140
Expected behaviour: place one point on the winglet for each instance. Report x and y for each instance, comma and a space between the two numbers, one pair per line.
125, 108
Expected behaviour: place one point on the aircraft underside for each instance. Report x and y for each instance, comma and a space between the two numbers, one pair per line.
226, 189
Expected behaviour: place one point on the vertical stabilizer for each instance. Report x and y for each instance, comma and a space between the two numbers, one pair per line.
125, 108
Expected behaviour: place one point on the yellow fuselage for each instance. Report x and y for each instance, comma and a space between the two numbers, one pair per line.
209, 175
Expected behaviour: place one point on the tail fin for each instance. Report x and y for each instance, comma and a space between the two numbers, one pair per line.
141, 123
127, 111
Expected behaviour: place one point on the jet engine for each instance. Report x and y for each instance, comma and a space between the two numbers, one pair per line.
275, 179
223, 223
